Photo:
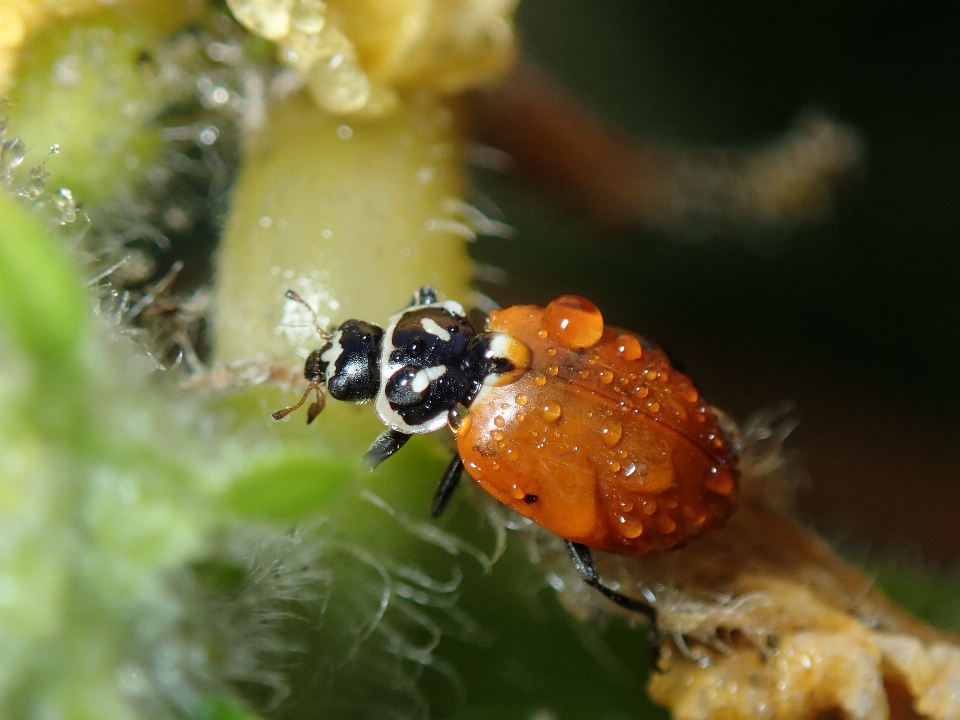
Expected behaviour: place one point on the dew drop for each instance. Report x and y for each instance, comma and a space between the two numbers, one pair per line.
614, 466
654, 406
497, 436
339, 85
630, 528
551, 351
721, 484
629, 347
575, 321
518, 493
649, 507
522, 399
643, 391
605, 377
550, 411
650, 374
610, 434
666, 525
691, 395
539, 380
553, 370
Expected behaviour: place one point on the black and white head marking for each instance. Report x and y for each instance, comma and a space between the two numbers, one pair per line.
351, 361
425, 364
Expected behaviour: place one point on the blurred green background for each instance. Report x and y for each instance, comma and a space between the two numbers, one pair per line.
857, 320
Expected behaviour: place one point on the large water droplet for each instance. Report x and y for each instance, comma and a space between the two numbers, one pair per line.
574, 320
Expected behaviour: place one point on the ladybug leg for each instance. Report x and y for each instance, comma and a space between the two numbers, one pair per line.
448, 484
583, 561
424, 296
386, 444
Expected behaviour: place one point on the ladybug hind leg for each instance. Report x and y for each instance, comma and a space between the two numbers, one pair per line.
583, 561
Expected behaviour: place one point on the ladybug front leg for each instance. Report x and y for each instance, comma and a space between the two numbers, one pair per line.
386, 444
583, 561
448, 484
426, 295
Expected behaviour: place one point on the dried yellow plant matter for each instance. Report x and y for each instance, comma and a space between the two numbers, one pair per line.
356, 56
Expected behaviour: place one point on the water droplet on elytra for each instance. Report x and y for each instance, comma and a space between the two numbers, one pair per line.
611, 434
666, 525
550, 411
575, 321
629, 347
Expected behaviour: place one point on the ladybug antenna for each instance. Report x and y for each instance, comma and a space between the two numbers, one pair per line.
314, 409
324, 335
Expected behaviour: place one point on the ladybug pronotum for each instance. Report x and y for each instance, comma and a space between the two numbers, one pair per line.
585, 429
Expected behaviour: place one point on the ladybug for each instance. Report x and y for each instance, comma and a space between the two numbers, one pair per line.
587, 430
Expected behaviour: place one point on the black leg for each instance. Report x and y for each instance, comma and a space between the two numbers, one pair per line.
448, 483
424, 296
583, 561
386, 444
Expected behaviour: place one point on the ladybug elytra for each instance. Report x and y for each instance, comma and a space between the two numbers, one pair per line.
587, 430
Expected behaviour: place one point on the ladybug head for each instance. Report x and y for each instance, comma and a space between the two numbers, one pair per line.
350, 361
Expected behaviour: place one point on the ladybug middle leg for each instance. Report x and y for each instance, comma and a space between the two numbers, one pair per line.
583, 561
448, 484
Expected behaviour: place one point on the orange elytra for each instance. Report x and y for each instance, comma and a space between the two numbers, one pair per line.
601, 440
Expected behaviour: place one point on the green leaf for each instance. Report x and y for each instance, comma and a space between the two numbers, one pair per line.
290, 487
41, 302
217, 707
